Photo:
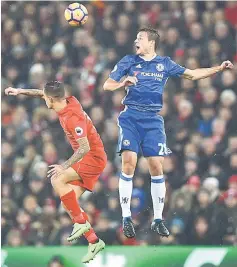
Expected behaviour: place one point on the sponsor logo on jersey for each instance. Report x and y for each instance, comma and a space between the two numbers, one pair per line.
79, 131
160, 67
139, 66
126, 142
152, 74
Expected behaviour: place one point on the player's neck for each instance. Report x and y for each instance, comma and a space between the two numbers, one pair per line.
60, 105
149, 56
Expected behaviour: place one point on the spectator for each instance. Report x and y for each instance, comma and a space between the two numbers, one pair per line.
227, 217
56, 261
201, 234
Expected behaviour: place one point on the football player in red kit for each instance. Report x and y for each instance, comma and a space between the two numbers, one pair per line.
81, 171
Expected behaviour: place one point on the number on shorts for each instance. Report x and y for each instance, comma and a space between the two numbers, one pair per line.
163, 149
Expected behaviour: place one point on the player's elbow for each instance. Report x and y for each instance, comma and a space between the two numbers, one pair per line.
87, 148
106, 86
84, 146
111, 85
194, 77
190, 75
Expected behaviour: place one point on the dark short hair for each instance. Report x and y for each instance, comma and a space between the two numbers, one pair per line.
54, 89
152, 34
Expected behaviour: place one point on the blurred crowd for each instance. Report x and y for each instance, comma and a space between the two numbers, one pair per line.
200, 116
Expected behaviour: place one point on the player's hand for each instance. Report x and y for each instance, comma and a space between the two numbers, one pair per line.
227, 65
130, 80
55, 171
12, 91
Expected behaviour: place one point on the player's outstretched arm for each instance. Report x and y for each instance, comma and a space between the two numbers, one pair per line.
112, 85
28, 92
198, 74
79, 153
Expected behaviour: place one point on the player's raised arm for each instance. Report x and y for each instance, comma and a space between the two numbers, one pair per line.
28, 92
119, 71
202, 73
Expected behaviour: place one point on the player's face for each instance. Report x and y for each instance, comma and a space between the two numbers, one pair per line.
142, 44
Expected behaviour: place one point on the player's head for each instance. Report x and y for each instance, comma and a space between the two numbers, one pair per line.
147, 41
53, 92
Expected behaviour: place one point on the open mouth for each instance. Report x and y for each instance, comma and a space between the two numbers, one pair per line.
137, 47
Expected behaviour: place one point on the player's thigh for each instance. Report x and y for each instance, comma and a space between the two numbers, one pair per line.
155, 165
154, 140
70, 175
129, 138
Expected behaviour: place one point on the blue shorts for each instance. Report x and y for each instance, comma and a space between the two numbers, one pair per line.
142, 132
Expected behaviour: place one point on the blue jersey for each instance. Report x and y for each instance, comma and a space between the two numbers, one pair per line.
152, 75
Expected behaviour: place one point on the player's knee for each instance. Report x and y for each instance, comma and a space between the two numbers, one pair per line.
156, 166
63, 205
128, 164
53, 181
57, 181
128, 169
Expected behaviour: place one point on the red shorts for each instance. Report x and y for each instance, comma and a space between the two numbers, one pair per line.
90, 168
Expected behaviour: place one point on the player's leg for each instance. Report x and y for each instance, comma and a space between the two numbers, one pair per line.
95, 244
90, 235
158, 191
70, 202
154, 149
89, 169
128, 145
129, 161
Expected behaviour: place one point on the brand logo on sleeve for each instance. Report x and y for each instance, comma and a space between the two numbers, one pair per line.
115, 68
79, 131
139, 66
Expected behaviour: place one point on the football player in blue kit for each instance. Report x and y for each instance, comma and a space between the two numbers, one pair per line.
141, 126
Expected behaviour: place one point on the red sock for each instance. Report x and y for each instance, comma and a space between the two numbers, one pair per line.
70, 202
90, 235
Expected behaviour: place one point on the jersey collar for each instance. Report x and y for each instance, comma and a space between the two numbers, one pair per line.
148, 59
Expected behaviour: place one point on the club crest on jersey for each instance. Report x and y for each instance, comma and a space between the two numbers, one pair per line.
160, 67
126, 142
79, 131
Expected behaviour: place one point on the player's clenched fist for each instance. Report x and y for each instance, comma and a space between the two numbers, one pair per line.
12, 91
227, 65
130, 80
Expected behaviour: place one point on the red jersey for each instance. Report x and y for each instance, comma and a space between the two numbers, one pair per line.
76, 124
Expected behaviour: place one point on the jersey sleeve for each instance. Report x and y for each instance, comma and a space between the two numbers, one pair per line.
174, 69
120, 69
77, 126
